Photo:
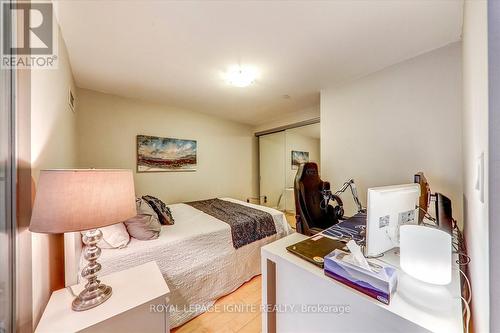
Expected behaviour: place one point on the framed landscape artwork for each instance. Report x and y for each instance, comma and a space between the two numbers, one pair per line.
156, 154
299, 157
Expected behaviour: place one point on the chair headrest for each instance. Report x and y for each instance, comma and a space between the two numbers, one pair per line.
308, 170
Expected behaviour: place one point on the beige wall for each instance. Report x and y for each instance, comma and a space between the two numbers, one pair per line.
227, 151
475, 143
53, 145
384, 127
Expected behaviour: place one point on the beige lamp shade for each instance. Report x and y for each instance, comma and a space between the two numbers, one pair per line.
80, 199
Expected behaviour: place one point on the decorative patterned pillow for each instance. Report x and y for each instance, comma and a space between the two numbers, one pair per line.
164, 214
145, 225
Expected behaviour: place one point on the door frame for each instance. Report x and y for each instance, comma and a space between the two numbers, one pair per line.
494, 160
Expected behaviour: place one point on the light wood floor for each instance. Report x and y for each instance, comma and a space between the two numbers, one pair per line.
241, 322
249, 321
290, 217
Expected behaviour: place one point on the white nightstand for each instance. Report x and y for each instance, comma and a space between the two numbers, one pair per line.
135, 292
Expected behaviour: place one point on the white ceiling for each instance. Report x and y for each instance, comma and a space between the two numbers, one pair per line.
174, 52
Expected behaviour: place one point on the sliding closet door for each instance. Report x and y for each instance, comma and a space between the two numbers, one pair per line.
6, 216
272, 169
302, 145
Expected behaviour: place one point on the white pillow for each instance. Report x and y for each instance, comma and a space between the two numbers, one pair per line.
113, 236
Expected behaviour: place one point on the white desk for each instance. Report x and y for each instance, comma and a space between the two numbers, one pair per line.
288, 280
135, 291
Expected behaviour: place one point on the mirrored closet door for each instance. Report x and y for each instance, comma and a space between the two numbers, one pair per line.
272, 169
280, 154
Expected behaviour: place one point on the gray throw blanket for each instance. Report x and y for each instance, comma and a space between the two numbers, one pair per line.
247, 224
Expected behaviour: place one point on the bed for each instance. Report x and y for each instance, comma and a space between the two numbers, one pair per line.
196, 256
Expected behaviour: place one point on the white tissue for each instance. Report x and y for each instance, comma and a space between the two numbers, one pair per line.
357, 255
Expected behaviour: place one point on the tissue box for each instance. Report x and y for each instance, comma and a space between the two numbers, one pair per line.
379, 283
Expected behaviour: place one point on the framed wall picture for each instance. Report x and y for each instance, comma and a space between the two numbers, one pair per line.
299, 157
157, 154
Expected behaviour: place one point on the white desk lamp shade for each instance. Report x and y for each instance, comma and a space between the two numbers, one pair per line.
425, 253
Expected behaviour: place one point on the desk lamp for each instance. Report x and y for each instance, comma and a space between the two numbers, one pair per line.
79, 200
425, 253
425, 250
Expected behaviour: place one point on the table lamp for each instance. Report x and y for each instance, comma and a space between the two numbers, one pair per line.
79, 200
425, 253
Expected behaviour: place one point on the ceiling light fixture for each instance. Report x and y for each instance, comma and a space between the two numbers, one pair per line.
241, 76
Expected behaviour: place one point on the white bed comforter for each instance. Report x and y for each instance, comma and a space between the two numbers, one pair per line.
196, 257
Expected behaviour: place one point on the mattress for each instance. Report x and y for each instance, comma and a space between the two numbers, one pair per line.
196, 257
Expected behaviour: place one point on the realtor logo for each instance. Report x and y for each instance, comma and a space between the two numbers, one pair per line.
34, 45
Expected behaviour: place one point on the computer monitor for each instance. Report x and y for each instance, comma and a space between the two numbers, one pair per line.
443, 210
444, 216
425, 195
388, 208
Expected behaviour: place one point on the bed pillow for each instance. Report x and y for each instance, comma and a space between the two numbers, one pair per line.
114, 236
145, 225
164, 214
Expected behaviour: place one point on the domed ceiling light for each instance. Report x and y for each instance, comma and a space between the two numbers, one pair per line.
241, 76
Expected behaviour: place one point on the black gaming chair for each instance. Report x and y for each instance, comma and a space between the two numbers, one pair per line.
310, 217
